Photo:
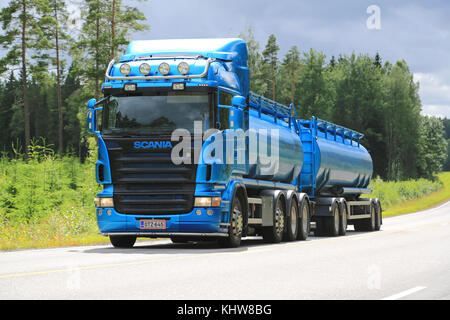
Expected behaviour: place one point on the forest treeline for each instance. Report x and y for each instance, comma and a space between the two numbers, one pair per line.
51, 66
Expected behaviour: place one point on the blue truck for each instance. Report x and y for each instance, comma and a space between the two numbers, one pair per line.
186, 151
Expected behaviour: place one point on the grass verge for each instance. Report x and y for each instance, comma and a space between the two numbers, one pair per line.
425, 202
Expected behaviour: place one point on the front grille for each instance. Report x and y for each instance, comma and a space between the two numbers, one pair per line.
147, 182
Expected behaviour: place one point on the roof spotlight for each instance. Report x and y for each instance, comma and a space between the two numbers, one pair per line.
164, 68
144, 69
183, 67
125, 69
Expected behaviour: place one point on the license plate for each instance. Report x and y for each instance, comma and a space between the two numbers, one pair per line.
152, 224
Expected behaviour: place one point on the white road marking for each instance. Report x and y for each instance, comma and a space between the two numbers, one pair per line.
404, 293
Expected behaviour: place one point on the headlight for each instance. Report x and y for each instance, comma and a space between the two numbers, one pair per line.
104, 202
125, 69
164, 68
183, 67
144, 69
207, 202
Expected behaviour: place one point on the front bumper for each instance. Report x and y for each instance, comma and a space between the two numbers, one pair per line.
195, 223
166, 234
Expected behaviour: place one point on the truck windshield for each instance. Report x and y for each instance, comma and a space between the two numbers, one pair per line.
156, 113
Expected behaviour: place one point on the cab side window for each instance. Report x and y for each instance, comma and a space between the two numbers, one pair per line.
225, 98
224, 109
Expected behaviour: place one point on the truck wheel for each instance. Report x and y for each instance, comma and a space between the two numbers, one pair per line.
378, 216
332, 223
343, 221
122, 241
236, 225
292, 221
304, 220
275, 232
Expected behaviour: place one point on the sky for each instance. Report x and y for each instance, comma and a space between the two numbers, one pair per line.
417, 31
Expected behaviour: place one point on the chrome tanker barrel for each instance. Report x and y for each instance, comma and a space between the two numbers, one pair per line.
338, 164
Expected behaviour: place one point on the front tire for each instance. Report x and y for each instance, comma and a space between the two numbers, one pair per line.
122, 241
236, 225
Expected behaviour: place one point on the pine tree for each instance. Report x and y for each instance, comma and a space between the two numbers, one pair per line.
271, 62
7, 100
104, 33
332, 62
291, 63
55, 40
20, 25
377, 61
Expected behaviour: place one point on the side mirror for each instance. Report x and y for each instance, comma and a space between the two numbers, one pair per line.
238, 102
91, 103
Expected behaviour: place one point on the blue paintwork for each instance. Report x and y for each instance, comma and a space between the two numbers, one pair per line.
338, 162
290, 149
310, 160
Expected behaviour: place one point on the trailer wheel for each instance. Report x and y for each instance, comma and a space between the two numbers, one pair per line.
236, 225
304, 220
275, 232
292, 221
122, 241
378, 217
332, 224
343, 220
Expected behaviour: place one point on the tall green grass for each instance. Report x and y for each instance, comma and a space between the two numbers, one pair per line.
426, 200
46, 200
392, 193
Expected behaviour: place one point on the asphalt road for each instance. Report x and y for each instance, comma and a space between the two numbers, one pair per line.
408, 259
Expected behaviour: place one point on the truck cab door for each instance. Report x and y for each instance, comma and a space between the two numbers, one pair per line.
231, 120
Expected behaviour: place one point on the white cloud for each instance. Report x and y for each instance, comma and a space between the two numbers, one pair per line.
441, 111
435, 92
